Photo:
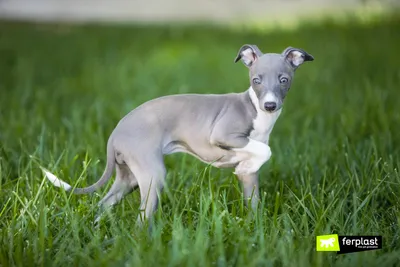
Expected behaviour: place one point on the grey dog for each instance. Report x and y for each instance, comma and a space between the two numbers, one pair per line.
225, 130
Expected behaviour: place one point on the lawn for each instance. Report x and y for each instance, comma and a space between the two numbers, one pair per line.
334, 168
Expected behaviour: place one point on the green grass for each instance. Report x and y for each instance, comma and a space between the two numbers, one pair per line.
334, 169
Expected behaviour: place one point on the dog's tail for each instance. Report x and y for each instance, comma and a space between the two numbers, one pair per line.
90, 189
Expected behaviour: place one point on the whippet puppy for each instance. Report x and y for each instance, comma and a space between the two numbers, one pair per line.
226, 130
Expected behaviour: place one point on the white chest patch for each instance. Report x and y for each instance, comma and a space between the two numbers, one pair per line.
264, 121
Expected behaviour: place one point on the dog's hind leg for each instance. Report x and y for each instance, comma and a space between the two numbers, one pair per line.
125, 182
150, 172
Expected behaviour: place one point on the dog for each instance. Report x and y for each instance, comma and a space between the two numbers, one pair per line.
327, 242
224, 130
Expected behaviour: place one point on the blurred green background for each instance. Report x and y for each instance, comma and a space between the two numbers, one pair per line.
334, 169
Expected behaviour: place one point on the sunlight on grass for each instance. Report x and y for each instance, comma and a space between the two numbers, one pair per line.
366, 14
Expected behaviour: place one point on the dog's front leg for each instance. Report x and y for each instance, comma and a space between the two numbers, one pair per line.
250, 189
249, 154
252, 157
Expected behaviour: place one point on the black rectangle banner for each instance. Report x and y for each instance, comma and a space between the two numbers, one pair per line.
350, 244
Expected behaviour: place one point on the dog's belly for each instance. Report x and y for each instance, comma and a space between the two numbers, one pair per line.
212, 155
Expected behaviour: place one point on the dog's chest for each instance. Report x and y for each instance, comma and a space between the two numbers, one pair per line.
263, 124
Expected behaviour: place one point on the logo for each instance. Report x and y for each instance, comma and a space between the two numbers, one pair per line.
328, 243
348, 244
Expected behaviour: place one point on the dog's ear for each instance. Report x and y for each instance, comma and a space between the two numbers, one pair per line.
296, 56
248, 54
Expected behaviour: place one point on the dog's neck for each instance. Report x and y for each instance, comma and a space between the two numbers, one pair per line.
264, 121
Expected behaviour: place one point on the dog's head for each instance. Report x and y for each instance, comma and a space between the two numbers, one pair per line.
271, 74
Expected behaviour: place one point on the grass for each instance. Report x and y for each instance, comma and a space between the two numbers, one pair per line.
334, 169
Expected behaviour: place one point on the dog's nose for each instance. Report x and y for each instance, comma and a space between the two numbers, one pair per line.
270, 106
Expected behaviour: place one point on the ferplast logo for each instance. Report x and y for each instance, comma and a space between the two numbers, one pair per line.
348, 244
328, 243
361, 242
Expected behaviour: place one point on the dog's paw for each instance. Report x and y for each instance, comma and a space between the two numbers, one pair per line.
268, 154
247, 167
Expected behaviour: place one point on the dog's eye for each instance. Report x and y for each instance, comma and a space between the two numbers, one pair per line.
284, 80
256, 81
